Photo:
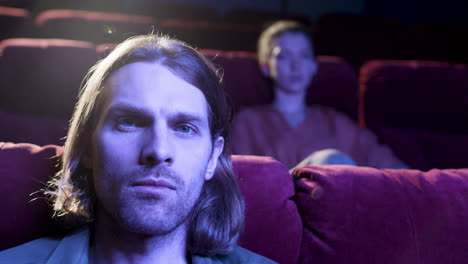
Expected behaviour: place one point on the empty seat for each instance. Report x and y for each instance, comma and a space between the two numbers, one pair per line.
40, 130
171, 10
26, 4
43, 76
97, 27
242, 80
419, 109
415, 94
257, 16
207, 35
335, 85
15, 22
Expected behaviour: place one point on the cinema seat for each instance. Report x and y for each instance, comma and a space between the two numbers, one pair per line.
96, 27
42, 76
419, 109
15, 22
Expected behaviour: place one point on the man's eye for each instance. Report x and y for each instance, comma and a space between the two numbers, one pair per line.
126, 123
185, 129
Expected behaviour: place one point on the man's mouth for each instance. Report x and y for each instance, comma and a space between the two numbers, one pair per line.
153, 186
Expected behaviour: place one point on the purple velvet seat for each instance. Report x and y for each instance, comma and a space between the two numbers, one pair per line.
273, 226
162, 10
335, 85
360, 215
415, 94
39, 130
208, 35
97, 27
419, 109
424, 150
43, 76
242, 79
24, 169
15, 22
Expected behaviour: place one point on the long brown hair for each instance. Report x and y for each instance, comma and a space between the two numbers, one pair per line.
218, 216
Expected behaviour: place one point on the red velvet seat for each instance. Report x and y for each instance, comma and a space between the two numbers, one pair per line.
39, 130
418, 107
162, 10
208, 35
43, 76
97, 27
256, 16
360, 215
15, 22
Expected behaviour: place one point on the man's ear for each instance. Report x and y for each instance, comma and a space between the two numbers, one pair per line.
218, 146
265, 69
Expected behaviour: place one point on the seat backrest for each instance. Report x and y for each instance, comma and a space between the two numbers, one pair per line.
415, 94
361, 215
208, 35
15, 22
419, 109
243, 82
96, 27
335, 85
273, 227
39, 130
43, 76
174, 10
25, 170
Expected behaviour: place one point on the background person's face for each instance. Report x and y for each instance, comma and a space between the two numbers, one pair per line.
151, 150
292, 64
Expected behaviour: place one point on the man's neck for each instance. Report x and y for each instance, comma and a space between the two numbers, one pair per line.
113, 245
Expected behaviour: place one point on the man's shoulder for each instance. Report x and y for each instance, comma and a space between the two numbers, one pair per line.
237, 256
72, 248
36, 251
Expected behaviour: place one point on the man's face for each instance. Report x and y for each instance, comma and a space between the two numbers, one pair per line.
152, 150
292, 64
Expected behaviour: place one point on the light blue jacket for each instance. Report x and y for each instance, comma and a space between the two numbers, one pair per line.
73, 249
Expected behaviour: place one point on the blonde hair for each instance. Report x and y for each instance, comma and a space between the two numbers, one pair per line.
271, 33
218, 216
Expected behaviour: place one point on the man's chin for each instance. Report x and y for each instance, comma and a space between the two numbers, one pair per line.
149, 228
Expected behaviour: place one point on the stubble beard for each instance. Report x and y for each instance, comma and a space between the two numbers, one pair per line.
154, 216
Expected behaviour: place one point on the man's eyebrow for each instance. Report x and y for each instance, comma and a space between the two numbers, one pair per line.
179, 116
127, 109
190, 117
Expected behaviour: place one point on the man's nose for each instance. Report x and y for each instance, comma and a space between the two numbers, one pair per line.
156, 147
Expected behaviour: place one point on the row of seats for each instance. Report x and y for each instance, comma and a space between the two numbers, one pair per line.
361, 38
104, 27
355, 39
400, 100
159, 9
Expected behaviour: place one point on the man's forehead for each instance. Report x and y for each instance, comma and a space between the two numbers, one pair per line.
154, 87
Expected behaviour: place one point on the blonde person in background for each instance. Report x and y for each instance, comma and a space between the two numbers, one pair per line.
291, 131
